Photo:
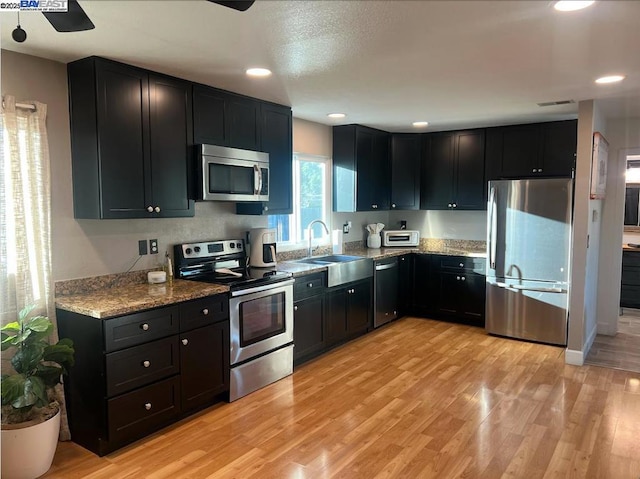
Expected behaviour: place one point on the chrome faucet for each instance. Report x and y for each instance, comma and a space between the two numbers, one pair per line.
310, 233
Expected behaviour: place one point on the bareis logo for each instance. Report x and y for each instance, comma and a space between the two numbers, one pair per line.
44, 5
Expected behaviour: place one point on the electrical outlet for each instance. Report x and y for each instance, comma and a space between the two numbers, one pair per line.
153, 246
142, 247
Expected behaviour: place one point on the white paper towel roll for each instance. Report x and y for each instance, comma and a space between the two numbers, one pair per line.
336, 241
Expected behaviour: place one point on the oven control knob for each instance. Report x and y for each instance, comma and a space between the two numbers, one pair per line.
232, 245
239, 245
196, 249
188, 251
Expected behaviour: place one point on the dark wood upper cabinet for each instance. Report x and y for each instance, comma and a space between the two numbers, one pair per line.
244, 123
532, 150
276, 138
453, 171
361, 169
130, 141
405, 171
210, 116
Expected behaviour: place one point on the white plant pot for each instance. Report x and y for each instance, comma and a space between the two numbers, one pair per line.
28, 452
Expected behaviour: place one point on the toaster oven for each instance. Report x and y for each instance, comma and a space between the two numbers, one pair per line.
400, 238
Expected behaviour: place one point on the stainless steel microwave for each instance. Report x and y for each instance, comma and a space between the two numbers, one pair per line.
231, 174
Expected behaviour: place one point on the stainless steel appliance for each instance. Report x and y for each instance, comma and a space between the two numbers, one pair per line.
260, 311
385, 299
400, 238
528, 258
231, 174
263, 247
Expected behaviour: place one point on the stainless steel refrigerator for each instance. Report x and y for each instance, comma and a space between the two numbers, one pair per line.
528, 258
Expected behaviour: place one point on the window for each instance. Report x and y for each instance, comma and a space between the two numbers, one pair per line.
632, 196
311, 201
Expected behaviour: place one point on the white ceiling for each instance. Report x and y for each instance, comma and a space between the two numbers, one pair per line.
385, 64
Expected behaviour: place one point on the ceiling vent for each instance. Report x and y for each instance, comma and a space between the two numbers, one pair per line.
556, 103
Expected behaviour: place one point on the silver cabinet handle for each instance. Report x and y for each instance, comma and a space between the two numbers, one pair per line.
539, 170
266, 208
157, 209
449, 205
462, 265
185, 341
147, 406
146, 364
393, 205
458, 278
402, 259
150, 209
455, 206
463, 278
295, 308
310, 285
144, 327
205, 311
534, 170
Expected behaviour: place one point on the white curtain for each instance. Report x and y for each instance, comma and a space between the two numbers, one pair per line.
25, 221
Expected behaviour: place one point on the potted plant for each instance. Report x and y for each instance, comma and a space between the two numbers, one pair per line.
30, 411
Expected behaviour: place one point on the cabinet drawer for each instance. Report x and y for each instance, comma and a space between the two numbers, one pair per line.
630, 258
140, 365
203, 312
462, 263
134, 329
630, 296
309, 285
630, 276
138, 412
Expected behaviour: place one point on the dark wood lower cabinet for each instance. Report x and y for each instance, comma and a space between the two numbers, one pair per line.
308, 331
204, 364
349, 311
137, 373
630, 283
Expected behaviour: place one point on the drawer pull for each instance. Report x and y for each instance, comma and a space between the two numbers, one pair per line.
458, 278
150, 209
185, 341
310, 285
205, 311
146, 364
144, 327
147, 406
295, 308
462, 265
463, 278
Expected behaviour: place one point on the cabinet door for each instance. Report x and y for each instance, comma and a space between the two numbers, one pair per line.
308, 326
123, 122
170, 134
470, 186
359, 307
559, 154
204, 364
209, 116
405, 284
336, 316
243, 125
380, 172
365, 175
276, 136
422, 287
449, 292
473, 301
405, 171
521, 147
436, 189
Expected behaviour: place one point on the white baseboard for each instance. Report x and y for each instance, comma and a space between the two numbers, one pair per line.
607, 329
575, 357
571, 356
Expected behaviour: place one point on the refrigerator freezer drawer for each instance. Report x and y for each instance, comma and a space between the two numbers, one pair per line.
535, 312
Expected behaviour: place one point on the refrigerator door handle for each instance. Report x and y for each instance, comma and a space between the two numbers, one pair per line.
493, 226
539, 290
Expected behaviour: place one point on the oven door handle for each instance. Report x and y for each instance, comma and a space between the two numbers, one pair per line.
266, 287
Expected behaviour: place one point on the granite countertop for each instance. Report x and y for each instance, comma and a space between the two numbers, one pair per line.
300, 269
131, 298
627, 247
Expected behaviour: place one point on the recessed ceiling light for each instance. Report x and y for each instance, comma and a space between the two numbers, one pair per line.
420, 124
336, 115
258, 72
572, 5
610, 79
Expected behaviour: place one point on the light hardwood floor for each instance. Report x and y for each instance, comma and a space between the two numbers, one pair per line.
621, 351
415, 399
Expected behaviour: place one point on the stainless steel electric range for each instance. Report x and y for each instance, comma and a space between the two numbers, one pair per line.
260, 310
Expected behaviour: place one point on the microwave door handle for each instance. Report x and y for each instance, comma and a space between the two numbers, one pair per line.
257, 179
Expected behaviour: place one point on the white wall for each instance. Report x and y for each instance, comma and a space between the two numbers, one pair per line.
584, 262
470, 225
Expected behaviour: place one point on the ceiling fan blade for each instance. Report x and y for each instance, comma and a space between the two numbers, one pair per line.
73, 20
240, 5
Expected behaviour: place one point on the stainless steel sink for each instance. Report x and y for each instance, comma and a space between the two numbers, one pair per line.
341, 268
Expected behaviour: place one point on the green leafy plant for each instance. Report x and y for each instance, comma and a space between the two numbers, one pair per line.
38, 366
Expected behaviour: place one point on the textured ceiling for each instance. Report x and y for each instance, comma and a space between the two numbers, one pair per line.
383, 63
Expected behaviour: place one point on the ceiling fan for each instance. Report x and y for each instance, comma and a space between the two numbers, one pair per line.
76, 20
